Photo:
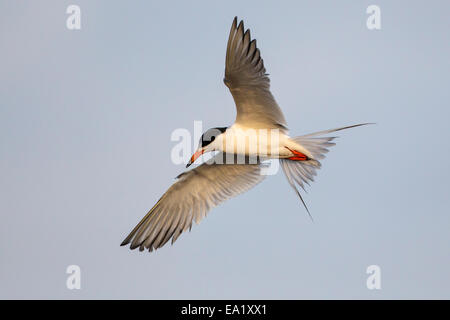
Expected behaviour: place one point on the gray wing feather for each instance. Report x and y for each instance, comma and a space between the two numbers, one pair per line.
189, 199
245, 76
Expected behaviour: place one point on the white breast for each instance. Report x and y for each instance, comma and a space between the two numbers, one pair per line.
269, 143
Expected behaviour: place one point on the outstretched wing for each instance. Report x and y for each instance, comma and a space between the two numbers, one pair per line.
249, 84
190, 198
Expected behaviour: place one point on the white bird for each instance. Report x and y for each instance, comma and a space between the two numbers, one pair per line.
259, 132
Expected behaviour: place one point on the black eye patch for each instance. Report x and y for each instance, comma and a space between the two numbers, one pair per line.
210, 135
205, 141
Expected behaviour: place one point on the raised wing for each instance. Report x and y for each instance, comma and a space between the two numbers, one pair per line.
249, 84
190, 198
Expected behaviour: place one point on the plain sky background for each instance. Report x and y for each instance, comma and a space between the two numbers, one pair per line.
85, 124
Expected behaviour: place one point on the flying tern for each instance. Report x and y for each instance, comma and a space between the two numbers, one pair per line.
259, 132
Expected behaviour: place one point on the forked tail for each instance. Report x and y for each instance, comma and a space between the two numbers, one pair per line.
302, 172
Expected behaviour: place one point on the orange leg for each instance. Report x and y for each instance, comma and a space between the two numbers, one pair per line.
298, 156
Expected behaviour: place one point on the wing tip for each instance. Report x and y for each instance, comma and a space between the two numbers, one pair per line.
241, 25
125, 241
134, 246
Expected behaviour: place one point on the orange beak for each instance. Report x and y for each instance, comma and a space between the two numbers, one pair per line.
195, 156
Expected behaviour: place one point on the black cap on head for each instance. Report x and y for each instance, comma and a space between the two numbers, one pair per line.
210, 135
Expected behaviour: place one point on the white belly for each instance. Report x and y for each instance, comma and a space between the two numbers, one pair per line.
266, 143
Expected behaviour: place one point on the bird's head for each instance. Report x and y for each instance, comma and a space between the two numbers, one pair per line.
208, 142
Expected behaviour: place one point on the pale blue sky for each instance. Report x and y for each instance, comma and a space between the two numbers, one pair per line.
85, 124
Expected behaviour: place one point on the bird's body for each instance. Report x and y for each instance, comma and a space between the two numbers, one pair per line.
264, 143
259, 132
